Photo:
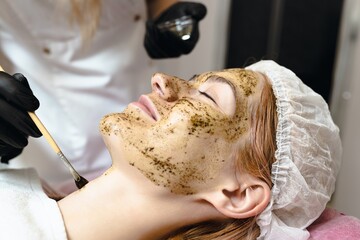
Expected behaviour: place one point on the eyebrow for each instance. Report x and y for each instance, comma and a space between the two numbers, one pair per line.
222, 80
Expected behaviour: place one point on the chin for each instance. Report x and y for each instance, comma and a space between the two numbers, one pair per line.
111, 124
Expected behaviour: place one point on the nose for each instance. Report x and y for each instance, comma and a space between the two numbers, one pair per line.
167, 87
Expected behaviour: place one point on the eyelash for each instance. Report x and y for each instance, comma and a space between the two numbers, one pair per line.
207, 95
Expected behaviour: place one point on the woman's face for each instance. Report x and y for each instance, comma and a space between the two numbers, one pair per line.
182, 134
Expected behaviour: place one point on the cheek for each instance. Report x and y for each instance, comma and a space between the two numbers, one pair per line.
198, 118
188, 167
180, 156
192, 154
183, 152
199, 168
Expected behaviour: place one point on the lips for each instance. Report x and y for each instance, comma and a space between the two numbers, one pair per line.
147, 106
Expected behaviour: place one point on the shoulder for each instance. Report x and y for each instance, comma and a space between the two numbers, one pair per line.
23, 205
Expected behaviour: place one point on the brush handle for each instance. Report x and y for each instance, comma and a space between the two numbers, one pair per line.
80, 181
53, 145
45, 132
42, 129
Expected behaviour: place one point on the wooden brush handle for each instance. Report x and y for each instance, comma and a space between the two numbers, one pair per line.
45, 132
42, 129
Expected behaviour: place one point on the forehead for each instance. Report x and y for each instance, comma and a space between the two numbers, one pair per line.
237, 77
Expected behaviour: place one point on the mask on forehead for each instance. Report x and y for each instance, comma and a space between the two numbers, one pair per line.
193, 139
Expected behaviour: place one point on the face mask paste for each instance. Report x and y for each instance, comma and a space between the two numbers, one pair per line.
187, 148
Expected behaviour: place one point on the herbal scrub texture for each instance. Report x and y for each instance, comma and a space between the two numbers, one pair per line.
194, 132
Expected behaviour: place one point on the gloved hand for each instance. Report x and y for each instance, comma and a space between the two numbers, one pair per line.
165, 44
16, 98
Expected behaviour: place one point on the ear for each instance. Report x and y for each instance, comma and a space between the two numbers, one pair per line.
241, 199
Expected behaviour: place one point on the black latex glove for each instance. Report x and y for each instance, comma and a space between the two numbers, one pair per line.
16, 99
165, 44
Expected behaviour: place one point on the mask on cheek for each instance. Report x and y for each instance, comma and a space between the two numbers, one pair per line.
183, 152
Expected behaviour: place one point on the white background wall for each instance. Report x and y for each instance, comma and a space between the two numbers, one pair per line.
345, 107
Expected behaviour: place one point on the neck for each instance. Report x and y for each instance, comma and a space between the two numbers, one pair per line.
112, 207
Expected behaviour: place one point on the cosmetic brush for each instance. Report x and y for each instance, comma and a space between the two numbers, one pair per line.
79, 180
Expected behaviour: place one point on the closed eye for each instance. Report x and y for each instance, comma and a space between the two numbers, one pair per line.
207, 95
221, 92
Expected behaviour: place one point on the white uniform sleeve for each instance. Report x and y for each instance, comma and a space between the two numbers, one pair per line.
26, 212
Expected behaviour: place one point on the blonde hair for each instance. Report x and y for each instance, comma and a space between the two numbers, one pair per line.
256, 158
86, 13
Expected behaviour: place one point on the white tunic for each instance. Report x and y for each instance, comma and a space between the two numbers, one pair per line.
26, 212
76, 85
